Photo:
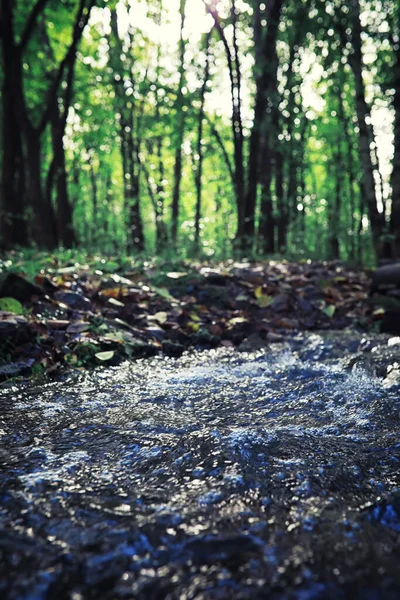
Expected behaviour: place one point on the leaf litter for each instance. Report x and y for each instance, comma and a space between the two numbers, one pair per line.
82, 315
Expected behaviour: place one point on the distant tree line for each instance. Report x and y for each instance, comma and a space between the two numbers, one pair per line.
109, 143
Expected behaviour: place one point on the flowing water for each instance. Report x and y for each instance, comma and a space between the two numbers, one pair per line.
217, 475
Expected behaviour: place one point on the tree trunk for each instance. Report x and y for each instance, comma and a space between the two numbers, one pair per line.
265, 65
344, 123
282, 221
57, 177
129, 145
377, 220
135, 218
395, 179
266, 230
236, 118
158, 198
335, 209
13, 230
44, 227
44, 230
180, 131
199, 158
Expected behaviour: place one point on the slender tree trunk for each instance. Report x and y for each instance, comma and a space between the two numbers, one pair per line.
335, 209
135, 217
395, 179
44, 226
95, 203
282, 221
57, 177
377, 220
266, 230
158, 198
236, 118
344, 124
180, 132
237, 126
129, 144
199, 158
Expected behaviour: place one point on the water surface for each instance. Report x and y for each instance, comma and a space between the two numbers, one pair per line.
218, 475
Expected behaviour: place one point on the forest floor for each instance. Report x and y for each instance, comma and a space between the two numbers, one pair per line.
58, 313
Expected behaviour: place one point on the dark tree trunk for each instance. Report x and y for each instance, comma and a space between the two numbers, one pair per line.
158, 198
133, 189
266, 230
377, 220
13, 230
395, 179
265, 65
95, 203
57, 178
236, 118
344, 123
199, 166
335, 209
44, 226
180, 132
57, 175
161, 230
129, 145
44, 230
282, 220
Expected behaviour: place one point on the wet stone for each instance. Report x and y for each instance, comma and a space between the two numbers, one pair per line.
15, 286
73, 300
270, 474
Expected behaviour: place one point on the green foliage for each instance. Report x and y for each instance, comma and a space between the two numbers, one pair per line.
127, 107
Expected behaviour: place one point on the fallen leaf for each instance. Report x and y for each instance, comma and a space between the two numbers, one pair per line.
105, 356
160, 317
11, 305
264, 301
237, 320
176, 275
114, 292
116, 302
329, 310
258, 291
194, 316
78, 327
164, 293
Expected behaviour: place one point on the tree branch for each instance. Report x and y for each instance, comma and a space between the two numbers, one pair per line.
224, 151
31, 22
81, 21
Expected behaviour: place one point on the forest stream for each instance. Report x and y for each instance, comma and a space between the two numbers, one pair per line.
272, 474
